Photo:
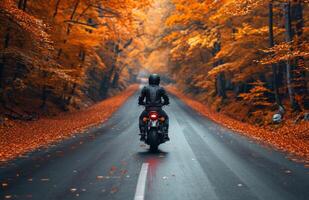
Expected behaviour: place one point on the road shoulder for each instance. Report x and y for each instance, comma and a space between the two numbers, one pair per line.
283, 139
22, 137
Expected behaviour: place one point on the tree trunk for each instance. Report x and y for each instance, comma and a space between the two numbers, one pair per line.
69, 25
6, 44
59, 53
300, 72
82, 55
220, 84
104, 87
220, 78
106, 83
115, 79
1, 72
289, 75
271, 44
44, 97
45, 92
72, 15
25, 5
7, 38
56, 9
22, 4
201, 56
68, 101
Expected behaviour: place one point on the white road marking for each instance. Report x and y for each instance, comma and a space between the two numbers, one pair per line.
141, 183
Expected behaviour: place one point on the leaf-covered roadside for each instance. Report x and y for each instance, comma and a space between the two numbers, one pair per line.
291, 138
21, 137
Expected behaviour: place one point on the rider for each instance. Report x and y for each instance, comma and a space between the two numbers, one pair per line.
154, 94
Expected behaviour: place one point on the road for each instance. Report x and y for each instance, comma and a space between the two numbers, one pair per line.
202, 161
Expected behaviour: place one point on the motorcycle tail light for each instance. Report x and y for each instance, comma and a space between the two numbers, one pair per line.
153, 115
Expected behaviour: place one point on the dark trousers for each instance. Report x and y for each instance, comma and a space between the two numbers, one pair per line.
162, 113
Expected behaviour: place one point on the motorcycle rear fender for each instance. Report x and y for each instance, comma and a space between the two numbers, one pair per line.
153, 123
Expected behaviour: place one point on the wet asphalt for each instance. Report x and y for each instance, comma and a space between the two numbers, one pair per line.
203, 161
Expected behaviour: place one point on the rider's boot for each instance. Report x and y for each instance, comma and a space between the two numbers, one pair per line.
165, 131
142, 134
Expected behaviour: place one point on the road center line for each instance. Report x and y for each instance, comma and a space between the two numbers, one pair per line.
141, 183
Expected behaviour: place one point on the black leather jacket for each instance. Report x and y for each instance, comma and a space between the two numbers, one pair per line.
154, 95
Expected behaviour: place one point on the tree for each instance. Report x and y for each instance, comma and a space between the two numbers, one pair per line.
253, 44
289, 37
271, 44
55, 45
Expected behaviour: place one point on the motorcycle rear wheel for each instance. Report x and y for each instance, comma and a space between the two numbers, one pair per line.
153, 139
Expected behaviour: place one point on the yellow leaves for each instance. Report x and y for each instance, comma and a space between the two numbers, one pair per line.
139, 14
82, 38
172, 20
185, 43
220, 68
200, 41
201, 81
232, 8
285, 51
190, 11
179, 19
257, 95
195, 41
247, 30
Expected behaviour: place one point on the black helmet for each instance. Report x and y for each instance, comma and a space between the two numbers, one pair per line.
154, 79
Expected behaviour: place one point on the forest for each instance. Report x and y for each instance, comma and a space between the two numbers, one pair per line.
62, 55
247, 59
80, 118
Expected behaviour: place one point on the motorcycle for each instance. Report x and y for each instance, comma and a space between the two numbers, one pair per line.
154, 131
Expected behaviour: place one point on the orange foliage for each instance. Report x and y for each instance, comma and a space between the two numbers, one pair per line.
58, 43
219, 48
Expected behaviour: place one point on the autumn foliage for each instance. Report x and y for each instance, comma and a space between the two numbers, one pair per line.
241, 54
63, 54
247, 59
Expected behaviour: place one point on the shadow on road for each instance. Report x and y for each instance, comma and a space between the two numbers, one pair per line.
148, 153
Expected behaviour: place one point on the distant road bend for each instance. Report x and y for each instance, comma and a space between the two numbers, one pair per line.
203, 161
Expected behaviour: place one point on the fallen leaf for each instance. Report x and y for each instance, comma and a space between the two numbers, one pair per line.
24, 137
114, 190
